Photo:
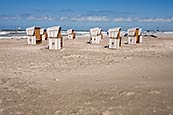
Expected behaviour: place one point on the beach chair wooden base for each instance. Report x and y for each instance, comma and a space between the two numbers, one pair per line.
96, 39
38, 41
114, 43
43, 38
55, 43
132, 40
70, 37
31, 40
139, 40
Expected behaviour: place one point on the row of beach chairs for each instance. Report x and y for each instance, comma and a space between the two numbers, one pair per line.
37, 35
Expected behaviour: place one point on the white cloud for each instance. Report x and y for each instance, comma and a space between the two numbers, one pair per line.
91, 19
49, 18
6, 17
42, 18
29, 17
86, 18
121, 19
64, 18
155, 19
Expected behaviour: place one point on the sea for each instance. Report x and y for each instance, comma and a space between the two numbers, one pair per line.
14, 34
21, 34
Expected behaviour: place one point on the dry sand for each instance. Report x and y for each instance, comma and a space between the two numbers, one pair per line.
84, 79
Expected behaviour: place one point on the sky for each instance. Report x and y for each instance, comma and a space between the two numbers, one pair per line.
85, 14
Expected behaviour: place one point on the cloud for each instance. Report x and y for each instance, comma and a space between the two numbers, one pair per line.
90, 19
63, 18
40, 18
6, 17
27, 17
109, 13
164, 20
121, 19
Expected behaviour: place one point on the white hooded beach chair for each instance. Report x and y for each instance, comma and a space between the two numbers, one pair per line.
134, 35
71, 34
55, 38
114, 38
33, 34
96, 35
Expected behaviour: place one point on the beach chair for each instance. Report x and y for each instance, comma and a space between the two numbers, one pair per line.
33, 34
55, 38
114, 38
96, 35
71, 34
134, 35
43, 33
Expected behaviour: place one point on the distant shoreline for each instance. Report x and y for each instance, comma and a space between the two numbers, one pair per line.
85, 30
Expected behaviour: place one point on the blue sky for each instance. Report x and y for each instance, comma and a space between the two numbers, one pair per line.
84, 14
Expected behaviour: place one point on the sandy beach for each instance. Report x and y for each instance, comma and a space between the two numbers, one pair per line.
87, 79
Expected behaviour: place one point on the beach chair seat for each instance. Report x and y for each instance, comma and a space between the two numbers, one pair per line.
55, 38
31, 40
134, 35
96, 35
71, 34
114, 38
30, 36
33, 34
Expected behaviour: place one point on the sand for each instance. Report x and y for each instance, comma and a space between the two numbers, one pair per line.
85, 79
